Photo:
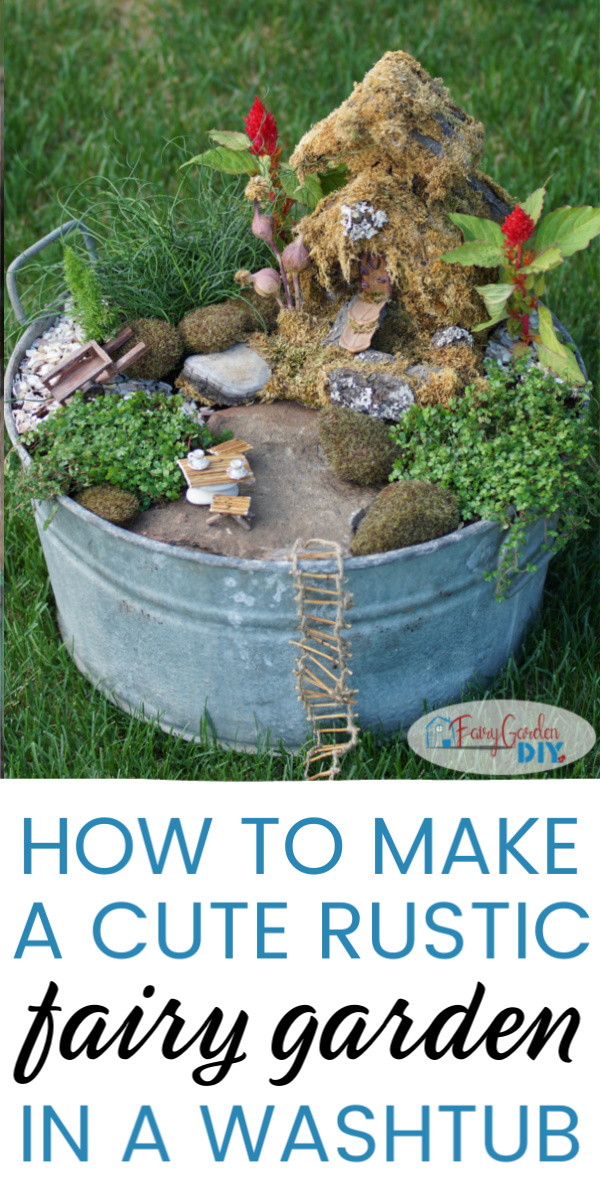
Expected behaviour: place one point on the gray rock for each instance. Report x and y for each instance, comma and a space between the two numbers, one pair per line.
422, 372
230, 378
452, 335
383, 396
338, 326
356, 518
373, 356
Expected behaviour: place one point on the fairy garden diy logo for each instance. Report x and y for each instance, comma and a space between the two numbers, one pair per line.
504, 737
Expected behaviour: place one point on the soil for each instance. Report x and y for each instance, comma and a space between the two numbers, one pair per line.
295, 493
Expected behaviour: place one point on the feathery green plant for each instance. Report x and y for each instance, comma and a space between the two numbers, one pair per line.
97, 318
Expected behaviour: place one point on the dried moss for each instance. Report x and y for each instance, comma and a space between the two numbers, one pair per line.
358, 448
300, 363
465, 360
395, 100
186, 388
412, 153
299, 370
439, 389
405, 515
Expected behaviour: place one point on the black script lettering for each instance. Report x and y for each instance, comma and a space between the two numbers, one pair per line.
44, 1017
302, 1044
92, 1046
508, 1021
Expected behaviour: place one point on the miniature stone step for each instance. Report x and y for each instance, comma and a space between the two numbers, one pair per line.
230, 378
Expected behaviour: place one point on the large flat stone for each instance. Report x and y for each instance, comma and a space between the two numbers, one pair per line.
231, 377
379, 395
295, 493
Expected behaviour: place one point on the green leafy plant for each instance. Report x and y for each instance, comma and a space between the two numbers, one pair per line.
132, 442
98, 318
510, 451
257, 153
522, 270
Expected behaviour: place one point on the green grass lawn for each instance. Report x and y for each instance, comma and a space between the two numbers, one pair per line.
103, 87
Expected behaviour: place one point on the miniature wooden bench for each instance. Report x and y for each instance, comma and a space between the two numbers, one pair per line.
237, 507
90, 363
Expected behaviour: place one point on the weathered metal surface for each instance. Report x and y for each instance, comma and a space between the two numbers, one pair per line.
185, 636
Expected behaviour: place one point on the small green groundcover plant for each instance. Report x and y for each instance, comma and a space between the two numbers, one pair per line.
510, 451
131, 441
523, 261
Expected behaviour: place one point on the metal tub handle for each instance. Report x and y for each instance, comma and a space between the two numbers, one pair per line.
21, 259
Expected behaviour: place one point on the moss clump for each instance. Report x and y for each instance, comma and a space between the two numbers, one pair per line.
404, 514
411, 154
216, 327
357, 447
164, 348
111, 503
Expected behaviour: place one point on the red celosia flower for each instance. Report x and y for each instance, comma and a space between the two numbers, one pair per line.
517, 227
261, 129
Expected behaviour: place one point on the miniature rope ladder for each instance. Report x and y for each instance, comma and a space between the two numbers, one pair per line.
322, 670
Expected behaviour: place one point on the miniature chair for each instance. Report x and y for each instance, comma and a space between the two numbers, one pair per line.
237, 507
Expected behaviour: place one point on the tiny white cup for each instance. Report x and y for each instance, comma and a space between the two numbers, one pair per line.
197, 460
237, 469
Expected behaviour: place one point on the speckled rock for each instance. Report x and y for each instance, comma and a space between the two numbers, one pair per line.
373, 356
229, 378
452, 335
379, 395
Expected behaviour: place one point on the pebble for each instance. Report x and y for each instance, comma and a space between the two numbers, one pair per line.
500, 344
30, 394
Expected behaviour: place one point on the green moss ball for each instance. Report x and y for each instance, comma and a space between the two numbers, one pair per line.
112, 503
215, 327
404, 514
164, 348
357, 447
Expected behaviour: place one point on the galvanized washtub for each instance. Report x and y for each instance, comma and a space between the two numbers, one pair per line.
200, 641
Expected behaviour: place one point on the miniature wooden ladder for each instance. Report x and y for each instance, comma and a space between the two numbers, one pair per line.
322, 670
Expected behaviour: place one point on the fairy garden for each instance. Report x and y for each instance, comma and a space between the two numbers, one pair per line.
350, 344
